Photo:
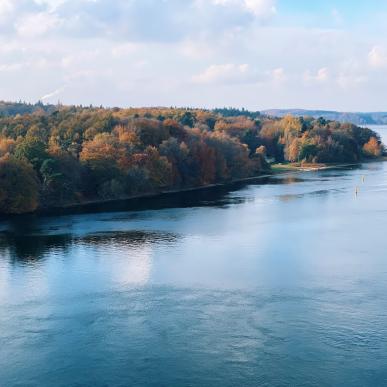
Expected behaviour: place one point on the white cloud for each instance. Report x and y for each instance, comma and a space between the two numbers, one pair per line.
171, 52
377, 57
134, 20
124, 49
350, 81
52, 4
278, 75
321, 76
34, 25
6, 8
225, 73
260, 8
195, 49
12, 11
11, 67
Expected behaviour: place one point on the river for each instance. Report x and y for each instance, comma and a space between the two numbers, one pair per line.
280, 282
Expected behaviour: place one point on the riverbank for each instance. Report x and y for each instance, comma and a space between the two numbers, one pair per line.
297, 167
98, 205
275, 170
305, 167
150, 195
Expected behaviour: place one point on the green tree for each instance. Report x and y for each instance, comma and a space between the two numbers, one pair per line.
187, 119
33, 150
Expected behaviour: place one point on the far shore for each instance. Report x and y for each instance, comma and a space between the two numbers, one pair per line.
305, 167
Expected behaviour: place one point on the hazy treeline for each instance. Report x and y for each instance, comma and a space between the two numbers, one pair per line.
58, 155
357, 118
14, 108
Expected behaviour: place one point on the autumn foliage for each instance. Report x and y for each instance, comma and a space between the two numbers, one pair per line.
58, 155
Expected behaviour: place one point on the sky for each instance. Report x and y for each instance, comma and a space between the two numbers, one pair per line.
257, 54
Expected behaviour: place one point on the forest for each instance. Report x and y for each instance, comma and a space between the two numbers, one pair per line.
56, 156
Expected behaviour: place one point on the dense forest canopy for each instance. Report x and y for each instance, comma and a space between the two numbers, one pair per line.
61, 155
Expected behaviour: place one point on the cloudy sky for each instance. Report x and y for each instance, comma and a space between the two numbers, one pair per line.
327, 54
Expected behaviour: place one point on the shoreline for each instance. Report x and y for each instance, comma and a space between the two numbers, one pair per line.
310, 167
277, 169
68, 208
149, 195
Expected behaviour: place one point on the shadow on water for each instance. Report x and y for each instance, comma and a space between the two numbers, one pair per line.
214, 196
31, 249
29, 238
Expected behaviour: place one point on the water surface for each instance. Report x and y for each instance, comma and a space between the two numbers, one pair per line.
279, 282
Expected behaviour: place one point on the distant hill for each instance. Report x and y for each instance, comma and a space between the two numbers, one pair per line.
373, 118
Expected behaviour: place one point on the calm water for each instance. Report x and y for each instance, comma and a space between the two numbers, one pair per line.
282, 282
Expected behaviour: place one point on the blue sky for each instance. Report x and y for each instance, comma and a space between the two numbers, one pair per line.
322, 9
257, 54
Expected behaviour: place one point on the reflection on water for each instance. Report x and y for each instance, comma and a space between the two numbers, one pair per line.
281, 281
321, 192
32, 248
